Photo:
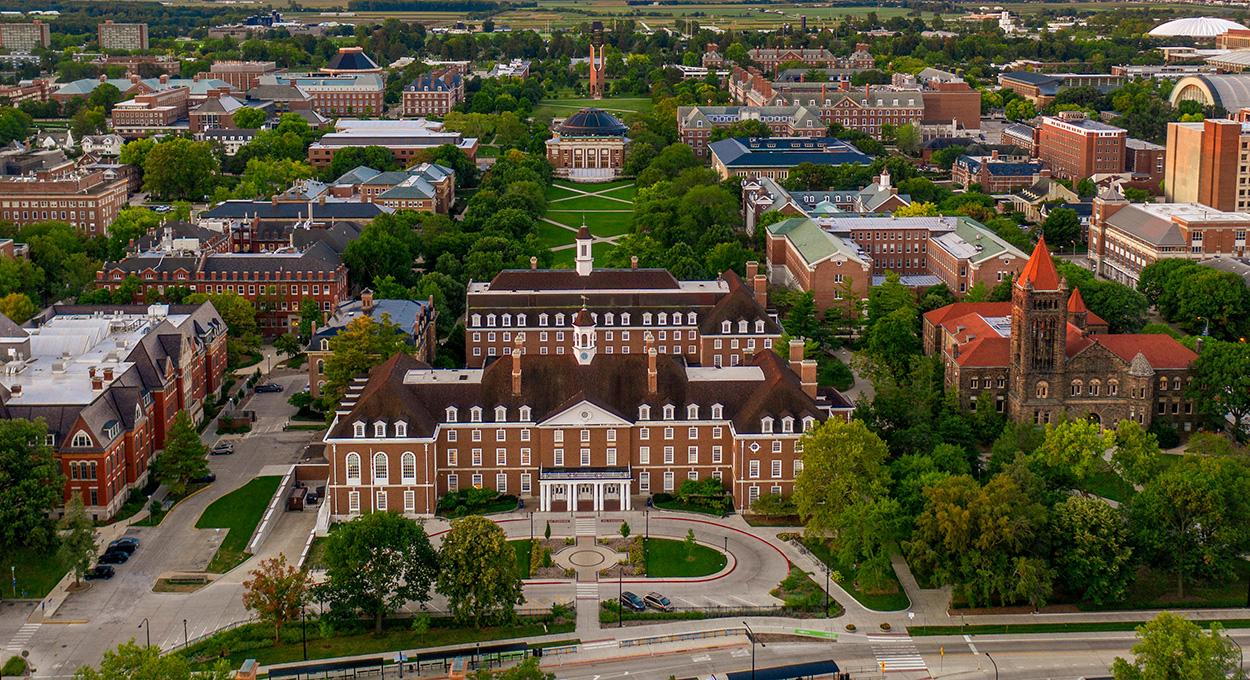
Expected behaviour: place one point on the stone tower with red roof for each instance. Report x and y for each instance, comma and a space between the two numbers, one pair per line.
1039, 318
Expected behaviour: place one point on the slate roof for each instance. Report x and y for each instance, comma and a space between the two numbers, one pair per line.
786, 151
351, 59
402, 313
267, 210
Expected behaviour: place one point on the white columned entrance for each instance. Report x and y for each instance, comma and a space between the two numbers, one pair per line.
554, 483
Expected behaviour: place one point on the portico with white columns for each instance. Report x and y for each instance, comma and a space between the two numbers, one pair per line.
559, 486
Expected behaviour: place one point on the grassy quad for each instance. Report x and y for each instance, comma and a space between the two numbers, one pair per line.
563, 107
668, 558
601, 224
564, 258
238, 512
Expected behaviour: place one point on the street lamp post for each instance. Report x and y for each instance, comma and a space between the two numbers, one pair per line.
620, 596
147, 628
826, 589
1241, 652
987, 655
186, 641
754, 640
303, 632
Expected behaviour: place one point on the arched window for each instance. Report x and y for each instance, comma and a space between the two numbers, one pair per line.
646, 318
507, 320
408, 467
692, 412
358, 430
543, 319
520, 319
93, 467
560, 319
624, 318
766, 424
608, 318
490, 320
742, 325
81, 440
1077, 388
525, 414
1113, 387
644, 412
690, 319
808, 423
726, 326
759, 325
475, 414
718, 411
476, 320
321, 366
1095, 388
501, 414
325, 345
381, 467
663, 319
787, 424
353, 468
451, 414
401, 429
379, 429
669, 411
1042, 389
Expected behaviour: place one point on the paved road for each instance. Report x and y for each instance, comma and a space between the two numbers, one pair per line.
110, 612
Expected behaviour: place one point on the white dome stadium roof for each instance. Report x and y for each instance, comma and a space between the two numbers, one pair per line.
1194, 27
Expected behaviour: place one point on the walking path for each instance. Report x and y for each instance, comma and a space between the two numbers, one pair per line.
584, 193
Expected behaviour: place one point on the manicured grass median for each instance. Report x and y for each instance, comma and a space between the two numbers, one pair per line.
522, 548
1106, 483
893, 600
669, 558
1082, 627
238, 512
36, 572
255, 641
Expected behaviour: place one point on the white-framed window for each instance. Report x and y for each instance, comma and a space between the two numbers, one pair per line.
753, 469
475, 414
401, 429
453, 482
526, 483
644, 413
525, 457
584, 457
525, 412
692, 455
353, 502
692, 412
776, 469
692, 475
558, 436
718, 412
501, 435
452, 435
476, 480
668, 455
668, 433
669, 412
352, 463
669, 480
381, 468
379, 503
81, 440
692, 433
584, 435
379, 429
776, 446
451, 414
766, 424
718, 454
410, 501
717, 475
787, 424
408, 467
559, 457
644, 455
476, 435
644, 434
501, 482
644, 482
501, 414
453, 458
611, 455
798, 468
358, 431
753, 494
501, 457
611, 434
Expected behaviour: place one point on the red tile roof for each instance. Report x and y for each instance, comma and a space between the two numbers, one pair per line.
939, 316
985, 352
1076, 304
1162, 351
1039, 270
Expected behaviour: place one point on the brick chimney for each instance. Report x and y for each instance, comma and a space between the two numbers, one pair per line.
366, 300
633, 261
15, 390
518, 348
797, 345
108, 372
807, 376
753, 268
533, 262
653, 374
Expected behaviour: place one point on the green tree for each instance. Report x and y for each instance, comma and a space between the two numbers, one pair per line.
310, 316
33, 484
1092, 549
183, 458
248, 118
1061, 227
1072, 449
180, 169
77, 547
288, 344
917, 209
1020, 109
1221, 383
1214, 302
362, 344
14, 125
18, 307
376, 564
844, 468
1136, 456
240, 317
477, 573
89, 120
526, 670
376, 157
130, 661
893, 342
1171, 647
907, 138
105, 96
1194, 518
131, 223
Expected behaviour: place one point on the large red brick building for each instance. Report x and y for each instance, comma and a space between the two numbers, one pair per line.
1074, 147
109, 403
86, 198
1045, 355
711, 323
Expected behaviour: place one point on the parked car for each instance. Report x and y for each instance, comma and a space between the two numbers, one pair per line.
632, 601
658, 601
206, 479
126, 544
269, 387
311, 498
114, 557
99, 571
222, 448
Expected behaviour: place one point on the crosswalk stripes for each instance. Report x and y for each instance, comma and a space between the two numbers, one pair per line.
585, 526
587, 591
897, 652
22, 637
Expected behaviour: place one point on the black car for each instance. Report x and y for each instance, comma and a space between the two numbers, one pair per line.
206, 479
632, 601
126, 544
99, 571
114, 557
269, 387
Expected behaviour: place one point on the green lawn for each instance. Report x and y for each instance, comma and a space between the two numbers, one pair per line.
238, 512
1082, 627
626, 192
668, 558
606, 187
1106, 483
255, 641
551, 236
562, 108
590, 203
36, 572
522, 548
564, 258
799, 591
1155, 589
600, 223
894, 599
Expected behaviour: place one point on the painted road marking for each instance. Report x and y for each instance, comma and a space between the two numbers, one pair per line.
968, 639
588, 591
896, 653
701, 659
22, 636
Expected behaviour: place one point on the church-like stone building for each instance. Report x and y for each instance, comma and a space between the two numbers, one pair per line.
1045, 354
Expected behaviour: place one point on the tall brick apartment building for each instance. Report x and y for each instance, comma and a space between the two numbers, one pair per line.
113, 36
1205, 164
711, 323
88, 199
24, 37
1074, 147
585, 430
110, 401
1044, 355
242, 75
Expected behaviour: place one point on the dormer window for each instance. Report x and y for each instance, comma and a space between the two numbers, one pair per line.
663, 321
358, 430
787, 424
501, 413
560, 319
718, 412
525, 414
507, 320
726, 326
644, 412
379, 429
543, 319
520, 319
81, 440
669, 411
475, 414
759, 325
690, 318
692, 412
808, 423
325, 345
608, 318
401, 429
766, 424
476, 320
742, 326
646, 318
624, 318
451, 414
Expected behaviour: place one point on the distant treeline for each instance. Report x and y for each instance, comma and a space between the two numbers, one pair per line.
433, 5
163, 20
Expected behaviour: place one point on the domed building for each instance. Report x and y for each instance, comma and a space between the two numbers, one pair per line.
1199, 28
588, 146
